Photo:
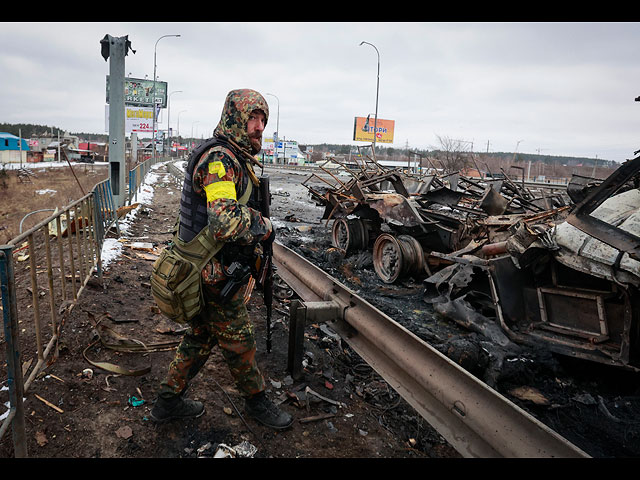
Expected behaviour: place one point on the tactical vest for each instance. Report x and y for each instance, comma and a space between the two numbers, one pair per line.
193, 207
176, 281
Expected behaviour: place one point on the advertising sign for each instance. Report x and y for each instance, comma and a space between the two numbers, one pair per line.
136, 119
138, 91
363, 130
268, 146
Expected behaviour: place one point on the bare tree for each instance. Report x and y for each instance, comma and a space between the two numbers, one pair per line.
452, 154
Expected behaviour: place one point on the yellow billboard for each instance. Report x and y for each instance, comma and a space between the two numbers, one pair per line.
363, 129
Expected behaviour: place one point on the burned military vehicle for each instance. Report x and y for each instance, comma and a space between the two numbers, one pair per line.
558, 269
402, 216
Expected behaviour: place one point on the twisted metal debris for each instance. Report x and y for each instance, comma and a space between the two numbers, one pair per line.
403, 216
559, 269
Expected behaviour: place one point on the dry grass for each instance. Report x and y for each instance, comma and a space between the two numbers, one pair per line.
47, 188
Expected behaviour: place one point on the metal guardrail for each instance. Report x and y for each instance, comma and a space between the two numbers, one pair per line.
476, 420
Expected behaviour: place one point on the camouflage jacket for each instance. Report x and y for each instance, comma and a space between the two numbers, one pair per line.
222, 177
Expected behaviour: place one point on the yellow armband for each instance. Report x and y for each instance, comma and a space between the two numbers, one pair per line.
218, 190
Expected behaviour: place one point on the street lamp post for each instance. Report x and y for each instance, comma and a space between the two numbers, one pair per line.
375, 121
153, 133
275, 140
169, 118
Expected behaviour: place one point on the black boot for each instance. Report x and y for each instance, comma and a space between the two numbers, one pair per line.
260, 408
166, 409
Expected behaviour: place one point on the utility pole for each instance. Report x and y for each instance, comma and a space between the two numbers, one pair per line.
20, 144
115, 49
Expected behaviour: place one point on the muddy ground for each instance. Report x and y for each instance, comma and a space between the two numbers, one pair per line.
350, 411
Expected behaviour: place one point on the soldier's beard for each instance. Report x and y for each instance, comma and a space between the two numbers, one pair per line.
256, 143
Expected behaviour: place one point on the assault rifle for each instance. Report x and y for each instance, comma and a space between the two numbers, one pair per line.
266, 279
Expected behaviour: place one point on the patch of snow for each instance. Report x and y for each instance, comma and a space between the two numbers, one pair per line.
112, 248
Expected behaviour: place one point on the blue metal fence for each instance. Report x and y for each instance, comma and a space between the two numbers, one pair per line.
136, 176
72, 240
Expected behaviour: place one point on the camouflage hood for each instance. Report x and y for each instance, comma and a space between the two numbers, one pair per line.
235, 115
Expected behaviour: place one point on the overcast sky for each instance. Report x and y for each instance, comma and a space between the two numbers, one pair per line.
560, 88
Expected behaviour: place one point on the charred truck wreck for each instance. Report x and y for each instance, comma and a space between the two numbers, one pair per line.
559, 269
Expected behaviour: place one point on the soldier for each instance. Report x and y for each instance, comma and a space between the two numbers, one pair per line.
214, 196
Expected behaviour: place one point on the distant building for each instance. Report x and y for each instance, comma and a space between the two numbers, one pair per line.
48, 141
44, 147
289, 152
39, 143
11, 147
98, 150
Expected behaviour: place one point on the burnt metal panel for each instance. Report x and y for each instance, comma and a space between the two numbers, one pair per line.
582, 219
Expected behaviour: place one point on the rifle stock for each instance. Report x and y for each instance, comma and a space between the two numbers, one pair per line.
267, 282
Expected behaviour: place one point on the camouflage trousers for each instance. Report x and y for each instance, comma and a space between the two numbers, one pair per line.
229, 327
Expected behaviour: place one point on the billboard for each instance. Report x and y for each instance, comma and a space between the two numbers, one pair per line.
268, 146
136, 119
363, 130
138, 91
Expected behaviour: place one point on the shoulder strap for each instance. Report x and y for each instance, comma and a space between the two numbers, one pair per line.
247, 194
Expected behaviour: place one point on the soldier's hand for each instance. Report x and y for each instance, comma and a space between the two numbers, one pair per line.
271, 236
